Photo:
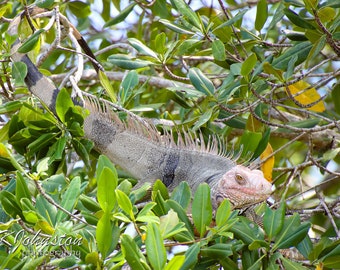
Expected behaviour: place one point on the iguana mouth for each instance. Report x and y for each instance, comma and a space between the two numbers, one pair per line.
242, 197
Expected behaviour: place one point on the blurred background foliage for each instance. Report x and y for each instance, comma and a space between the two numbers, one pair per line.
261, 75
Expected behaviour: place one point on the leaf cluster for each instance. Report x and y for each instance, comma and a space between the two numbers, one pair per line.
267, 84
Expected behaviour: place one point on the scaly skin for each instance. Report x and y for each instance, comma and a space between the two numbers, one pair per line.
242, 186
147, 158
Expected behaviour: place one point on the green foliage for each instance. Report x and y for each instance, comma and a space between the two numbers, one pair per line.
222, 70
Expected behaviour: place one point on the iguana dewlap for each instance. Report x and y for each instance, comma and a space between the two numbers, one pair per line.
139, 150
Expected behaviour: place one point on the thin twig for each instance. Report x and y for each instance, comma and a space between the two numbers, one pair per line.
51, 201
329, 214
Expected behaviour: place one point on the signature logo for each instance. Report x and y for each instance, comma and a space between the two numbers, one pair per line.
39, 242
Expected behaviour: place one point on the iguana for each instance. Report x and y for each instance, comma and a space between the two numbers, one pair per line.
139, 149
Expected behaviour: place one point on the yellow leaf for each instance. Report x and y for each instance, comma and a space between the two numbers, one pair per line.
143, 237
307, 95
253, 124
105, 82
8, 224
92, 258
44, 226
4, 151
319, 266
268, 165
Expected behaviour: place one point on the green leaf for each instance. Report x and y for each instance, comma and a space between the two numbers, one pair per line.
191, 257
41, 142
69, 198
105, 82
218, 50
316, 49
83, 147
235, 69
290, 67
257, 244
11, 106
233, 20
5, 8
305, 246
10, 204
124, 203
141, 48
146, 214
326, 14
204, 118
129, 82
261, 14
273, 220
176, 28
126, 62
297, 20
291, 265
187, 12
248, 65
296, 36
104, 161
19, 72
58, 149
246, 231
332, 262
170, 224
182, 194
291, 233
201, 82
106, 185
182, 215
45, 3
160, 43
159, 186
89, 203
311, 4
262, 144
309, 123
104, 234
155, 249
250, 141
132, 253
21, 189
175, 263
268, 68
45, 209
29, 211
223, 213
122, 15
31, 42
301, 50
79, 9
330, 249
202, 208
63, 104
161, 208
218, 251
34, 263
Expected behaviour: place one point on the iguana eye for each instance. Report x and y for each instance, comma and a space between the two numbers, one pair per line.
240, 179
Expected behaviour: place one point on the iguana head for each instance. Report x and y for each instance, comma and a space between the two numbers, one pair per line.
242, 186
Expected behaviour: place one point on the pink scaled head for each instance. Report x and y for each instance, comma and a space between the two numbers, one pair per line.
242, 186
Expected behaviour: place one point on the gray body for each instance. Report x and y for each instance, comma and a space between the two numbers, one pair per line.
149, 160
